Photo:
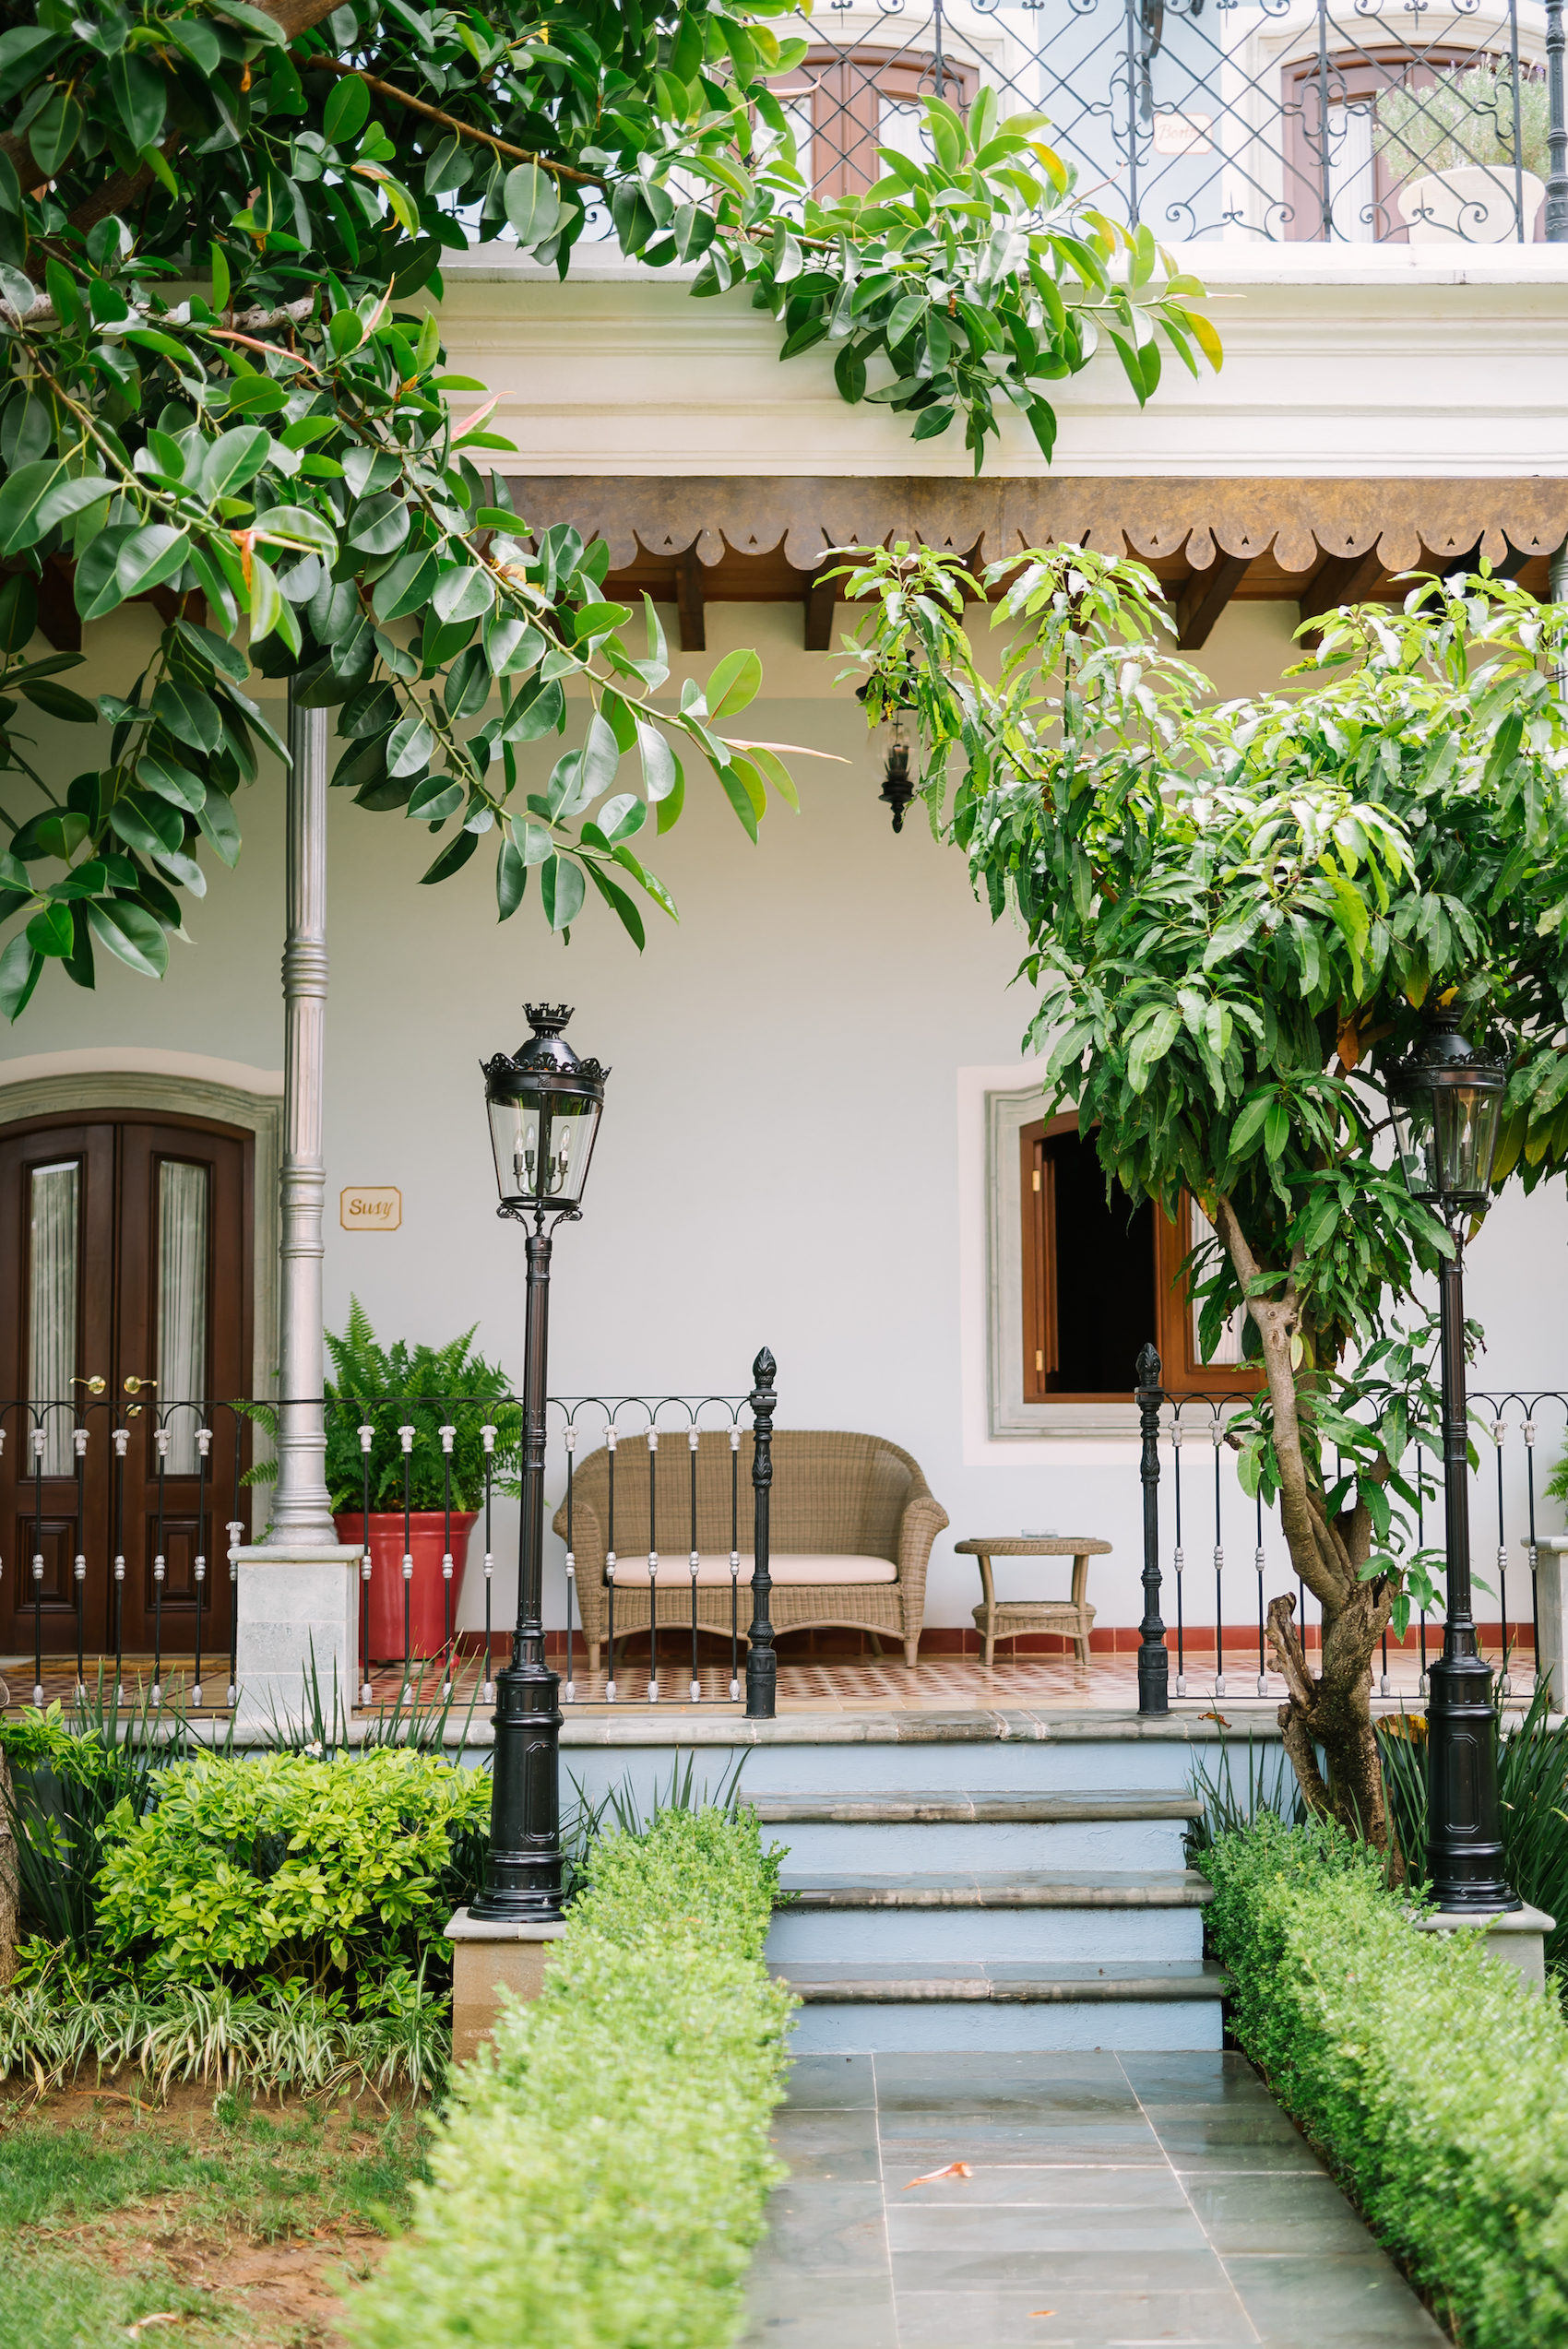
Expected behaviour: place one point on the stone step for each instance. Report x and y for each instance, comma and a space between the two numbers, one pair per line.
939, 1806
1041, 1915
921, 2005
1020, 1888
886, 1831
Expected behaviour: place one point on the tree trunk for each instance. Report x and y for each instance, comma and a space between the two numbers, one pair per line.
1329, 1709
1332, 1710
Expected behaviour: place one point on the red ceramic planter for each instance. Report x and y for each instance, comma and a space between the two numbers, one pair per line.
427, 1606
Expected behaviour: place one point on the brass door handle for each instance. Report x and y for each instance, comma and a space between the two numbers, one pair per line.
93, 1386
135, 1387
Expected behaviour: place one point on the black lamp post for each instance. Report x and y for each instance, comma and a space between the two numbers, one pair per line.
1446, 1101
545, 1107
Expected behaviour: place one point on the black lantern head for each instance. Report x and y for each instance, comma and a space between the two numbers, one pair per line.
544, 1105
897, 789
1447, 1099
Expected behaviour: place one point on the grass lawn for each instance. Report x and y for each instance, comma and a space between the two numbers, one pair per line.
195, 2220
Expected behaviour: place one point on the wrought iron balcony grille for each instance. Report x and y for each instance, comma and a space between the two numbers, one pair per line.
1342, 121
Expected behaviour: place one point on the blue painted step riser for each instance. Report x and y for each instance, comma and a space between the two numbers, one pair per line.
1102, 1766
1052, 1936
949, 2027
1133, 1845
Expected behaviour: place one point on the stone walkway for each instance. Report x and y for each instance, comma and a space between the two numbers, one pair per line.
1112, 2202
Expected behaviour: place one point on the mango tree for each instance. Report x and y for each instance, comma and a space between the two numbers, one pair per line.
1234, 915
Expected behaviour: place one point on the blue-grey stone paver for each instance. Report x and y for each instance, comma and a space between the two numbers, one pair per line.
1112, 2202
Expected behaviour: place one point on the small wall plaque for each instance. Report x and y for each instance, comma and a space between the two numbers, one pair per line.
371, 1207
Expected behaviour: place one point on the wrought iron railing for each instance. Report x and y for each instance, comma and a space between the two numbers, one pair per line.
95, 1488
1212, 1528
1346, 121
92, 1484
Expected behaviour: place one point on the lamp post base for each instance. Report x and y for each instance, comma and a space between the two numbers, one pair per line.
1463, 1815
523, 1878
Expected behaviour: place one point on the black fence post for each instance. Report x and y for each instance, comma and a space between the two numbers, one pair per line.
762, 1665
1557, 133
1153, 1663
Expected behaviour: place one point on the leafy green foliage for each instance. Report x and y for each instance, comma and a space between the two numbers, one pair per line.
288, 1866
1235, 914
278, 444
61, 2016
618, 2124
1428, 2073
389, 1388
65, 1780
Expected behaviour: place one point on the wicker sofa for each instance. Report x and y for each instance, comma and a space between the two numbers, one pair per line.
850, 1529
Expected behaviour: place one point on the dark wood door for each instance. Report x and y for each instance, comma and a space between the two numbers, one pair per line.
57, 1365
132, 1247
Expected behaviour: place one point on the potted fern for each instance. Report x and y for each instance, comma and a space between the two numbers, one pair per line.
425, 1388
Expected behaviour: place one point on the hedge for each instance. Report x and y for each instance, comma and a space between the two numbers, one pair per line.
599, 2179
1434, 2078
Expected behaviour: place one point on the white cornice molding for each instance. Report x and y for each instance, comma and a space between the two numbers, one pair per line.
1385, 367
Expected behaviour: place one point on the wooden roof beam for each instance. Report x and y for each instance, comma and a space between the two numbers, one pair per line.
1344, 578
1204, 597
690, 607
820, 599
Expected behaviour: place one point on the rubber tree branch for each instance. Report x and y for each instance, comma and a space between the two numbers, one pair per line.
450, 122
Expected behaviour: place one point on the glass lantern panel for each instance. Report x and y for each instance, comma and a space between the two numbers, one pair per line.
1413, 1131
1466, 1137
542, 1151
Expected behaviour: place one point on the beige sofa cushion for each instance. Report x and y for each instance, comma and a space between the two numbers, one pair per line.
792, 1566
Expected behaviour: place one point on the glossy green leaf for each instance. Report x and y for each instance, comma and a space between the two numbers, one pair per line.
20, 970
189, 712
220, 826
452, 858
147, 822
533, 207
736, 680
511, 878
129, 931
434, 798
346, 112
562, 889
465, 592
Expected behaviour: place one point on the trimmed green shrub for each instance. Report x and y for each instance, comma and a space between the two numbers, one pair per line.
288, 1866
600, 2179
1434, 2080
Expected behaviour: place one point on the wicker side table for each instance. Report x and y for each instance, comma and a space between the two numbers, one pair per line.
1004, 1618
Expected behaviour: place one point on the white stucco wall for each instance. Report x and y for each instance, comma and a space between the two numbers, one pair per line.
792, 1150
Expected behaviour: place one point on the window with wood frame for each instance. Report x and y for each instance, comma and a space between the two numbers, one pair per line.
843, 104
1102, 1277
1331, 123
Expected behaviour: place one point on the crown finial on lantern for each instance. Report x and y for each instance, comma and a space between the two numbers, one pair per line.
547, 1019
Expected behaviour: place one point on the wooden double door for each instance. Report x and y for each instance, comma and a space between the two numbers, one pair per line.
125, 1243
